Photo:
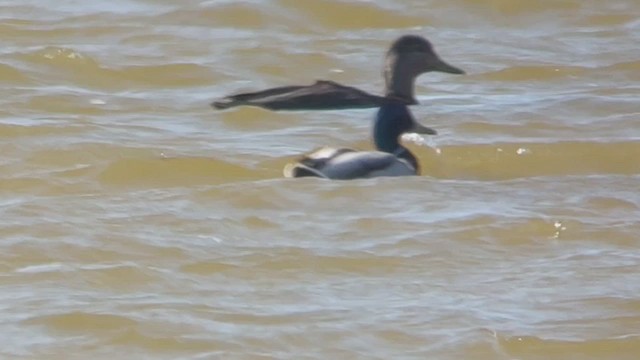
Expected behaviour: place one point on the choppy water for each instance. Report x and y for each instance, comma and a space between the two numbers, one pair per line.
139, 223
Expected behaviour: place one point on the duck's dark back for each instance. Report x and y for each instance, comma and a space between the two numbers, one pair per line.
322, 95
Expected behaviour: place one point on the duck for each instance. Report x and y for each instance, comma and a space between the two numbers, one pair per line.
407, 57
390, 158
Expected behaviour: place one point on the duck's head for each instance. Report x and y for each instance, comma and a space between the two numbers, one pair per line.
409, 57
393, 120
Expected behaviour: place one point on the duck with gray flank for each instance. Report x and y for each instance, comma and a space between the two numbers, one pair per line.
408, 57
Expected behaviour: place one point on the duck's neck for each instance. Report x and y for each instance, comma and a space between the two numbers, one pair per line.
399, 81
390, 122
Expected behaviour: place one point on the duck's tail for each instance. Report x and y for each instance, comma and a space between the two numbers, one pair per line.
299, 170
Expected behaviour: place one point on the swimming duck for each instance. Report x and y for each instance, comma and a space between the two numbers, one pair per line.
390, 159
408, 57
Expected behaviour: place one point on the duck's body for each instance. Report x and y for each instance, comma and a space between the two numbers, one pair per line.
399, 74
408, 57
321, 95
345, 164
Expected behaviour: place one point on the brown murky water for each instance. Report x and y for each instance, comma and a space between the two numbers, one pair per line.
139, 223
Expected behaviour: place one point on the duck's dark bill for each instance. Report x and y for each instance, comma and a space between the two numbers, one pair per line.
446, 68
322, 95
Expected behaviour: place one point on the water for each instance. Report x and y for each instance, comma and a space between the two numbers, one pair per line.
137, 222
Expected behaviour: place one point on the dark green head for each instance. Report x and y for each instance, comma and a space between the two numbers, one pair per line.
391, 121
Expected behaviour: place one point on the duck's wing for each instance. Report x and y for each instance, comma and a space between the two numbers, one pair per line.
322, 95
312, 164
344, 164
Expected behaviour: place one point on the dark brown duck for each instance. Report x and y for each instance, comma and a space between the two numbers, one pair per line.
408, 57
